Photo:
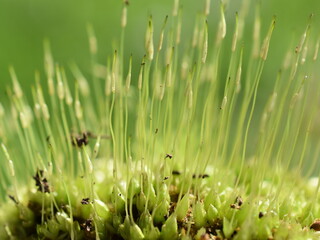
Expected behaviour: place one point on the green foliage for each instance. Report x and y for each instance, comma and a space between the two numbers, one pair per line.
179, 150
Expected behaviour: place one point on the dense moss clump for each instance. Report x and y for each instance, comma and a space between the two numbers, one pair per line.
169, 145
213, 210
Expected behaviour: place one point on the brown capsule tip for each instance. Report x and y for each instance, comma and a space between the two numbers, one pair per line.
315, 225
41, 182
87, 225
200, 176
13, 199
261, 214
234, 206
238, 201
81, 140
85, 201
175, 172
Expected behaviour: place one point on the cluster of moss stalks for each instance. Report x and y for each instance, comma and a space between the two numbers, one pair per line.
163, 149
211, 213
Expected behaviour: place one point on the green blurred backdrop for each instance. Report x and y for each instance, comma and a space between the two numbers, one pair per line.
25, 23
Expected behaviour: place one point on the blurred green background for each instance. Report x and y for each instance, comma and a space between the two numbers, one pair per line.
24, 24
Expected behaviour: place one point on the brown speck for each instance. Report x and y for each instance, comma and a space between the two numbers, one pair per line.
87, 226
165, 178
85, 201
200, 176
261, 214
168, 156
175, 172
235, 232
13, 199
81, 140
41, 182
238, 201
48, 141
156, 131
315, 225
234, 206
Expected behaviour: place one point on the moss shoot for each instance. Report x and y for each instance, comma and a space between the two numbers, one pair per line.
174, 144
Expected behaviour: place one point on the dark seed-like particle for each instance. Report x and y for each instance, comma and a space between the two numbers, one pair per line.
175, 172
79, 141
200, 176
87, 225
41, 182
85, 201
234, 206
261, 214
13, 199
239, 201
315, 225
168, 156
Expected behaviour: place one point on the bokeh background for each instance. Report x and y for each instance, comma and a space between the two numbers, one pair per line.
24, 24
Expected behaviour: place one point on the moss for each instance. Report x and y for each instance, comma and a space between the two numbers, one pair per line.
171, 153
